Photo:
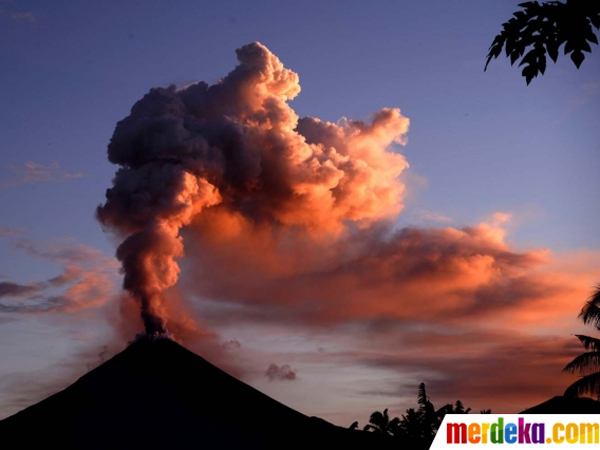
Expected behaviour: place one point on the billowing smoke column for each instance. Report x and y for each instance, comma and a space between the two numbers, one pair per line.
238, 147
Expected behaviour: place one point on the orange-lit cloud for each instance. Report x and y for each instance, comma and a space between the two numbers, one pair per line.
458, 307
507, 372
404, 273
236, 152
87, 279
273, 219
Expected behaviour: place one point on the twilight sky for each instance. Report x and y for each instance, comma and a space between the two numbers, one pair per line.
473, 287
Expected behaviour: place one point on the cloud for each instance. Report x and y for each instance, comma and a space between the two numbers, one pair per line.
456, 307
16, 290
291, 219
32, 172
232, 345
586, 93
404, 273
273, 220
507, 372
21, 16
457, 276
277, 373
233, 152
432, 216
87, 279
8, 231
9, 289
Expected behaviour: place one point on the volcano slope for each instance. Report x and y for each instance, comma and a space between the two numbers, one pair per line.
157, 394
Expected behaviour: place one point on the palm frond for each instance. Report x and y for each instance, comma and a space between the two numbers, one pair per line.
446, 409
589, 384
378, 419
394, 426
386, 416
411, 412
425, 406
590, 313
459, 408
422, 395
411, 424
584, 362
410, 417
589, 342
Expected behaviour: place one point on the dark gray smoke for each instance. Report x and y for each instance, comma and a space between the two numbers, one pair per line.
236, 148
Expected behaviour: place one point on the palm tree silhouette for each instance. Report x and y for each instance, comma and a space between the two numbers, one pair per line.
459, 408
411, 425
425, 422
381, 423
590, 360
432, 418
417, 425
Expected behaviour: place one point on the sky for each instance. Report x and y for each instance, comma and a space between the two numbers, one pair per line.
467, 271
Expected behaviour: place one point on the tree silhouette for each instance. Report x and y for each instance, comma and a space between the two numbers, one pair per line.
417, 425
381, 423
430, 418
411, 425
590, 313
426, 410
459, 408
542, 29
590, 360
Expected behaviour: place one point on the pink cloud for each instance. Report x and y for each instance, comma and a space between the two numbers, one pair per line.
32, 172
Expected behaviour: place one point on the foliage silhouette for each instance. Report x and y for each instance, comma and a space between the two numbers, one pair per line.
416, 425
381, 423
544, 28
590, 360
591, 311
411, 425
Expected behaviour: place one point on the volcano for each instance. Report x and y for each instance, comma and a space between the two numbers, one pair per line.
565, 405
157, 394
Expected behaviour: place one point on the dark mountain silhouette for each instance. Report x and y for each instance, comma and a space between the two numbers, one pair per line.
157, 394
566, 405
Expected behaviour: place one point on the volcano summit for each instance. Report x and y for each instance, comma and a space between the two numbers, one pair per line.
157, 394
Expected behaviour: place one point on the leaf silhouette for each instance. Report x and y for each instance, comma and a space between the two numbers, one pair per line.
590, 360
543, 28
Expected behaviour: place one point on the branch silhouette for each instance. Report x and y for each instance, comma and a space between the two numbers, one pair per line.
540, 29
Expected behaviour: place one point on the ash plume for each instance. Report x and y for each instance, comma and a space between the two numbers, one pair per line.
237, 152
